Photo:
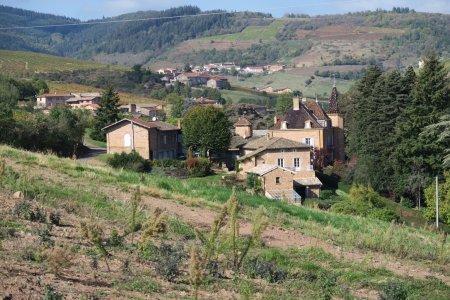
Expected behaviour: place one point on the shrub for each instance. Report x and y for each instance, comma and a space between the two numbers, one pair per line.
58, 258
129, 161
198, 167
45, 238
259, 268
114, 239
393, 291
168, 259
51, 294
55, 218
27, 211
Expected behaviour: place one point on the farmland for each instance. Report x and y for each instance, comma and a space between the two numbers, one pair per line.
22, 63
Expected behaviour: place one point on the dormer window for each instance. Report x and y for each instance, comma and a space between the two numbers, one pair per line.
284, 125
308, 124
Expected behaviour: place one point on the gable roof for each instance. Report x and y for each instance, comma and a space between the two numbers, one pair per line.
296, 118
243, 121
163, 126
264, 169
273, 143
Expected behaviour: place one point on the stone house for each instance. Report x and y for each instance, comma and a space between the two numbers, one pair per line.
217, 82
193, 79
152, 140
82, 100
51, 100
283, 165
307, 122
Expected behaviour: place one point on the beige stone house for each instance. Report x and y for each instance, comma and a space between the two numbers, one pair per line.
152, 140
283, 165
307, 122
82, 100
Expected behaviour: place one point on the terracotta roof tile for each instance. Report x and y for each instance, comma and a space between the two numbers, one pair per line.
243, 121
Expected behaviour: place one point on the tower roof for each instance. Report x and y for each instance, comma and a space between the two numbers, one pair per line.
243, 121
333, 108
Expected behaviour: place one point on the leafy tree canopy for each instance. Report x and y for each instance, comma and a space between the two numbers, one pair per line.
206, 129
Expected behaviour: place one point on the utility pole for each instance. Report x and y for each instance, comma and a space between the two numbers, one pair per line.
437, 203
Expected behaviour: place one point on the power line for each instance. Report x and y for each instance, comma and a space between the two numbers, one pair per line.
318, 3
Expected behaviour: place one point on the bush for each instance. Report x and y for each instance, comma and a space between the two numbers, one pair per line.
55, 218
259, 268
168, 259
114, 239
129, 161
24, 209
394, 291
51, 294
198, 167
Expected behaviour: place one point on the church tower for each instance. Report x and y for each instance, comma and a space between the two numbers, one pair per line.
337, 124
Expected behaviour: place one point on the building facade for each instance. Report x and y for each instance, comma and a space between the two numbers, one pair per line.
152, 140
307, 122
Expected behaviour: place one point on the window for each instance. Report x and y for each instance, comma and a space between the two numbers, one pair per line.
308, 141
296, 162
277, 180
127, 140
281, 162
308, 124
165, 139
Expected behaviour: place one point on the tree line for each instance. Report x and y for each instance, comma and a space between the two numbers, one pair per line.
388, 116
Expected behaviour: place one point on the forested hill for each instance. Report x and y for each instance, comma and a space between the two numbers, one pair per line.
396, 38
151, 36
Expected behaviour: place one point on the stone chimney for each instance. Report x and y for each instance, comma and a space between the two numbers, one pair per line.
179, 124
296, 103
132, 108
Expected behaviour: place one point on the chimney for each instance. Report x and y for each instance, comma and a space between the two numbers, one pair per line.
179, 124
275, 119
303, 99
296, 103
132, 108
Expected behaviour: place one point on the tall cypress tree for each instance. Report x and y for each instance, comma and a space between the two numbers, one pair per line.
107, 113
430, 100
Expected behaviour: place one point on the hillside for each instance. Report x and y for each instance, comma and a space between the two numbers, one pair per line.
21, 63
321, 254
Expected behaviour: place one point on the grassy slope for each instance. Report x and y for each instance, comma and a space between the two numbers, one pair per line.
321, 86
21, 62
251, 33
312, 270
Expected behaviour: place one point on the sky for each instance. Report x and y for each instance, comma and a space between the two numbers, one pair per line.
94, 9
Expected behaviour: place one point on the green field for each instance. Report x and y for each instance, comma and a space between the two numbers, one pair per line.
252, 33
232, 96
21, 63
320, 86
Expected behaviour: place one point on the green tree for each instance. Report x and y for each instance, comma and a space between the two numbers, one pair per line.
283, 103
206, 129
442, 131
41, 86
9, 95
430, 101
187, 68
107, 113
176, 104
